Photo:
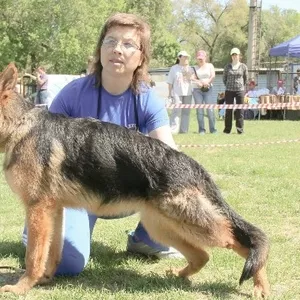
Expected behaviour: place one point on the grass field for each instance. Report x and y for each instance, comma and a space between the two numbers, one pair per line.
261, 182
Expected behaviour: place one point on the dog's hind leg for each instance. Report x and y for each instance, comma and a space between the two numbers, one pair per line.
55, 250
39, 218
260, 279
170, 233
196, 257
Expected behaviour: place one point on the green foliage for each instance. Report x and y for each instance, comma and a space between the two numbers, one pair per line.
215, 26
57, 33
159, 15
61, 34
278, 25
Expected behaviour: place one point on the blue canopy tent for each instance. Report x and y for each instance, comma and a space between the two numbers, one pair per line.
290, 48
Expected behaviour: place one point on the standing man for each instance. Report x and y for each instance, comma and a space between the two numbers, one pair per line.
42, 85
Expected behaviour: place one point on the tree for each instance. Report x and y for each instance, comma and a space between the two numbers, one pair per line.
60, 34
215, 26
158, 13
278, 25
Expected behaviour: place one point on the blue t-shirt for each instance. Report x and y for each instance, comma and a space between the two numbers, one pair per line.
82, 98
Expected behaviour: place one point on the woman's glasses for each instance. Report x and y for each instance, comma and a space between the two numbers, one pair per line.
128, 47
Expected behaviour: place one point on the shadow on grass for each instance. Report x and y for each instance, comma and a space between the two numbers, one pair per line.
14, 250
9, 273
109, 270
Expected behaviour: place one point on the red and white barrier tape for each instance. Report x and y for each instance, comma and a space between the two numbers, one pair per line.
241, 144
289, 106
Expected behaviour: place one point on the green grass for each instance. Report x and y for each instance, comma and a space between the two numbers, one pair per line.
261, 182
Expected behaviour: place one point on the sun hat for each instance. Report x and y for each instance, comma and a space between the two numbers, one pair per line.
201, 54
183, 53
235, 51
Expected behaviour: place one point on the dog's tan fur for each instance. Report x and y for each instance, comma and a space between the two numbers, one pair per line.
190, 220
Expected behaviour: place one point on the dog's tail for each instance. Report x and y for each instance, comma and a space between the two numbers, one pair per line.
251, 237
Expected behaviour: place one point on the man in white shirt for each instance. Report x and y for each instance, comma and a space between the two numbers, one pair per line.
279, 89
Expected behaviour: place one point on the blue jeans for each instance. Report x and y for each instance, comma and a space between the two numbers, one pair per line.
78, 228
205, 98
41, 97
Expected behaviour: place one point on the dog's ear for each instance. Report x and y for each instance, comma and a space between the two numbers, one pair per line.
8, 78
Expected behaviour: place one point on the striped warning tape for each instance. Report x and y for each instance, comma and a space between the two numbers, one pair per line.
289, 106
239, 144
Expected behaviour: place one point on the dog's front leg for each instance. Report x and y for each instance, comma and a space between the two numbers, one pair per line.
40, 215
55, 250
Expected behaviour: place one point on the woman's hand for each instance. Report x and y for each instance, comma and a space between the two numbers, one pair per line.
205, 82
198, 82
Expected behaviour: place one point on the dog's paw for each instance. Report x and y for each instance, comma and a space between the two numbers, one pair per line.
176, 272
16, 289
261, 293
172, 272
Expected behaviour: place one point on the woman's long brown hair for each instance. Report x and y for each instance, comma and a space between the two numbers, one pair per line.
143, 29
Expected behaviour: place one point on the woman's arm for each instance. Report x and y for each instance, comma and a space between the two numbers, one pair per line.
164, 134
212, 73
225, 73
170, 88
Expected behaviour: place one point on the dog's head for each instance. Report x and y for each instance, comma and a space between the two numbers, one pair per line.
12, 105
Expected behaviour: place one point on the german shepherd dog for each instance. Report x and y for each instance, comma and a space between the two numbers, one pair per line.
52, 161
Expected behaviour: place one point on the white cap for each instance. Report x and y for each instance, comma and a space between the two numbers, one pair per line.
235, 51
183, 53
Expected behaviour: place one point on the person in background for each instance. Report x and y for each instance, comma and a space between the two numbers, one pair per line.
42, 85
114, 92
180, 90
251, 93
251, 97
279, 89
203, 77
297, 83
235, 78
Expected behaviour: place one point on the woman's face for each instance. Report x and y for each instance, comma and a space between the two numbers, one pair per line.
120, 51
184, 60
201, 61
235, 57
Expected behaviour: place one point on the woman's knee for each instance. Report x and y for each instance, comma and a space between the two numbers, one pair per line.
73, 260
77, 229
